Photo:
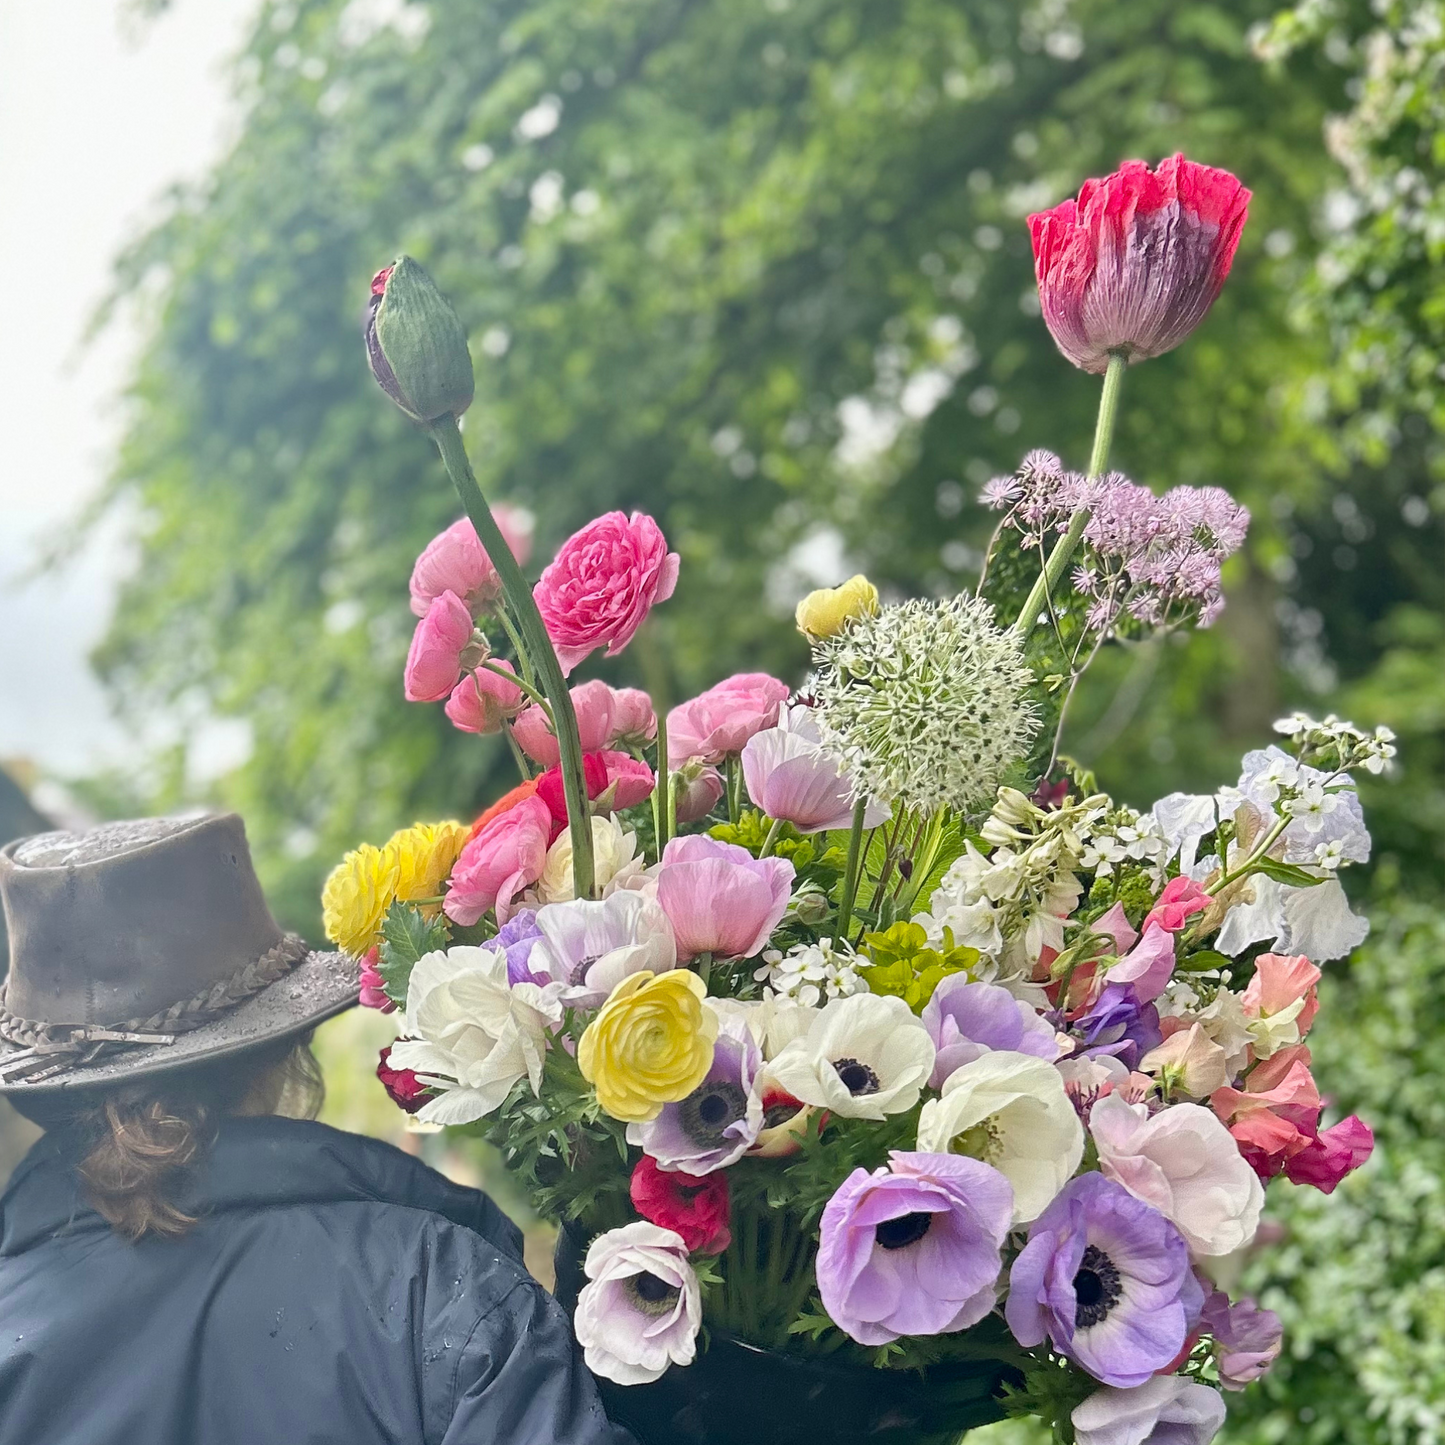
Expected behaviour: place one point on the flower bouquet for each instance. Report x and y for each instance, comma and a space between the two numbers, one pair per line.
867, 1054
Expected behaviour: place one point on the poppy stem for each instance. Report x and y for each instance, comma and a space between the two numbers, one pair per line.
850, 871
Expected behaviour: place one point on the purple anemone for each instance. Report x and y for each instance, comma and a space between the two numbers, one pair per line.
515, 938
966, 1020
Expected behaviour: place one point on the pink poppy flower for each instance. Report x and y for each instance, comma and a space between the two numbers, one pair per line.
1181, 899
456, 561
719, 898
499, 862
722, 719
603, 582
482, 701
1135, 263
1279, 982
434, 660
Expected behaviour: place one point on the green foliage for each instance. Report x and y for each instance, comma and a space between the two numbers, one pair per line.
406, 934
905, 967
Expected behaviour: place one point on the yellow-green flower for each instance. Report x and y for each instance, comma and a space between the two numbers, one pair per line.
651, 1044
907, 968
827, 611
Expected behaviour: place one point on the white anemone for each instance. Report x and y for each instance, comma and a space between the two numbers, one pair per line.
589, 946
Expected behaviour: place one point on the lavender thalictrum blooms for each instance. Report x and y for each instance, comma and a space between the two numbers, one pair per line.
1118, 1025
515, 938
967, 1020
720, 1120
913, 1249
1107, 1280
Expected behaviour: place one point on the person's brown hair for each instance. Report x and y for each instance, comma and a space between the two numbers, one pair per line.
139, 1139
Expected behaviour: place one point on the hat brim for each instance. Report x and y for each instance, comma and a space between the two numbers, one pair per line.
319, 987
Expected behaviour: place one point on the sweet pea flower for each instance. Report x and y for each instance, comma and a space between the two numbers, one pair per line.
967, 1020
1276, 1114
694, 1207
1134, 264
1167, 1410
697, 787
434, 662
481, 702
721, 899
616, 862
1248, 1338
1281, 992
1188, 1062
602, 584
641, 1309
588, 946
722, 719
507, 856
455, 561
912, 1249
791, 777
596, 707
1183, 1163
1118, 1023
1147, 967
1331, 1154
1181, 899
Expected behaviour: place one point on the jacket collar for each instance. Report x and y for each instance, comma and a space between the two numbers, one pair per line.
255, 1164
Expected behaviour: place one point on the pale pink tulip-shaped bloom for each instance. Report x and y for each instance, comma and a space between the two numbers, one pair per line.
1135, 263
595, 706
481, 702
456, 561
633, 718
790, 777
434, 660
697, 789
722, 719
507, 856
601, 585
719, 898
1279, 982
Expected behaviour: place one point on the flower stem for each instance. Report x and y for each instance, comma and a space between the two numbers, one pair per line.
735, 789
1064, 548
661, 817
850, 871
526, 687
509, 628
772, 838
443, 431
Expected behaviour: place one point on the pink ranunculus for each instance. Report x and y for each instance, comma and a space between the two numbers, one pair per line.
1135, 263
551, 790
456, 561
633, 718
595, 706
1279, 982
789, 776
697, 789
1332, 1154
722, 719
601, 585
719, 898
1147, 967
434, 661
504, 858
481, 702
373, 994
634, 780
1181, 899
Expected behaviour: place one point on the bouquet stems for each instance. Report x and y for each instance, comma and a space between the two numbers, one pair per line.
1064, 548
536, 644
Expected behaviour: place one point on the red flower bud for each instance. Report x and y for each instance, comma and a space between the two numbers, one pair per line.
406, 1090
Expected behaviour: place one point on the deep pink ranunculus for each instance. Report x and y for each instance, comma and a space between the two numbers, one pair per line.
1181, 899
482, 701
456, 561
695, 1207
496, 865
719, 898
595, 705
722, 719
373, 993
1135, 263
601, 585
634, 780
551, 791
406, 1090
434, 660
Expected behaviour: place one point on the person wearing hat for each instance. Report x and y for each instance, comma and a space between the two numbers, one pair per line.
180, 1262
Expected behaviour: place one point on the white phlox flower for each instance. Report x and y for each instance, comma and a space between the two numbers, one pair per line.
812, 973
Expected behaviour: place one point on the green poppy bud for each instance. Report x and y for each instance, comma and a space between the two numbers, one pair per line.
416, 345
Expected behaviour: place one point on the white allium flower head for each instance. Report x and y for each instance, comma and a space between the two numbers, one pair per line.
925, 702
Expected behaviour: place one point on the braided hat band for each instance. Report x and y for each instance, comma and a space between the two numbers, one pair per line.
47, 1049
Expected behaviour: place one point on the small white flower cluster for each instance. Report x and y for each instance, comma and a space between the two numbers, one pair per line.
811, 972
1337, 745
1121, 837
924, 703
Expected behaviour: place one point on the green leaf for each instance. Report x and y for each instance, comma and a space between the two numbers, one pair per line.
406, 934
1286, 873
1205, 960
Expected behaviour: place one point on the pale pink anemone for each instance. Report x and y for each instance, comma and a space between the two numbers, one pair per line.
789, 776
720, 899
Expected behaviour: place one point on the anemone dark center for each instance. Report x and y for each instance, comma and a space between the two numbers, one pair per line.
901, 1232
776, 1114
578, 976
1096, 1288
708, 1112
651, 1295
857, 1078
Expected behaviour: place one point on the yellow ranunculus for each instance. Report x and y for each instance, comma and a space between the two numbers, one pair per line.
827, 611
651, 1044
425, 853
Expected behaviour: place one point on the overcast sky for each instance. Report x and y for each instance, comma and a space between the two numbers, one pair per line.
98, 116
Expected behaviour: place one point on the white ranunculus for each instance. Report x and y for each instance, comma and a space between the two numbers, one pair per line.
641, 1310
1167, 1410
863, 1057
590, 945
471, 1035
1183, 1162
1010, 1110
616, 863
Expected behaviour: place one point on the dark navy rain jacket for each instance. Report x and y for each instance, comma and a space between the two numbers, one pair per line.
335, 1292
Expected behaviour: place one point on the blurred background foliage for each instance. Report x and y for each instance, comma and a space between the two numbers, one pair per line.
760, 268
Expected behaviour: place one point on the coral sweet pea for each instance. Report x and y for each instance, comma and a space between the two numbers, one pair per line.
1279, 984
1134, 264
1181, 899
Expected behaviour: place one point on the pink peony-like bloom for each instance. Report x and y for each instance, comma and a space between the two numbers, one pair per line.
719, 898
596, 707
633, 718
1332, 1154
499, 862
434, 660
481, 702
456, 561
634, 780
1181, 899
722, 719
1279, 982
601, 585
789, 776
373, 993
697, 789
1135, 263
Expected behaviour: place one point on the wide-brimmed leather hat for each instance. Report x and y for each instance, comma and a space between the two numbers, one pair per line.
145, 946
